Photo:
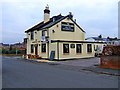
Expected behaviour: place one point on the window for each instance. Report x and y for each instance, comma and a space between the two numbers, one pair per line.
66, 26
96, 47
89, 48
65, 48
32, 35
43, 48
43, 33
32, 48
78, 48
43, 36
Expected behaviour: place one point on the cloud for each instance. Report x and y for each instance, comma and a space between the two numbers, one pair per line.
95, 16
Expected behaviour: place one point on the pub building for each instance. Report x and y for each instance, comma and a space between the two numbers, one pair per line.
58, 38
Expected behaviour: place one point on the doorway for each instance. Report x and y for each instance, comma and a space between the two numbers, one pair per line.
36, 49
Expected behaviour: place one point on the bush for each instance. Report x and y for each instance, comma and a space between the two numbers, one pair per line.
3, 51
13, 51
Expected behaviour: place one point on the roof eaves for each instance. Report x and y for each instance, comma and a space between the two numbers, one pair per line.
78, 25
34, 27
51, 24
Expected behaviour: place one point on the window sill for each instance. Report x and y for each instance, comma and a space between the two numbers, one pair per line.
43, 52
78, 53
89, 52
65, 53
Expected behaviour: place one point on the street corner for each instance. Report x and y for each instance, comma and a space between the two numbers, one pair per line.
47, 61
42, 61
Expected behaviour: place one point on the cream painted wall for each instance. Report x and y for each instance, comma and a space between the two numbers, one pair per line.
77, 35
28, 43
44, 55
36, 40
53, 47
72, 51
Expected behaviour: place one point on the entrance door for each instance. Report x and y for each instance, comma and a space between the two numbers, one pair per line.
36, 50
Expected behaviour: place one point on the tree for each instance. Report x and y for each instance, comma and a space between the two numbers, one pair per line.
10, 47
108, 37
100, 36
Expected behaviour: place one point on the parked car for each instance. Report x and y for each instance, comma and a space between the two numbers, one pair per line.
99, 50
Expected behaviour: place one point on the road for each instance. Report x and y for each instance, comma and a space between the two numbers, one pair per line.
18, 73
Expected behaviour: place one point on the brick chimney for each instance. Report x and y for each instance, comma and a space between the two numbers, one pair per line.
46, 14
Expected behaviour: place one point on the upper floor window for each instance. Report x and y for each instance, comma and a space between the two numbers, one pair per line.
65, 48
43, 36
43, 33
66, 26
89, 47
32, 35
78, 48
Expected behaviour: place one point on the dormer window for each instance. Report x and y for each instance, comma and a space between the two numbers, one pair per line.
54, 19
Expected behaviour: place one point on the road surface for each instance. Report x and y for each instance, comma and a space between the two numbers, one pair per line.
19, 73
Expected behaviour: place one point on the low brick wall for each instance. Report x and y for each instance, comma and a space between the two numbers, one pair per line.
112, 62
110, 57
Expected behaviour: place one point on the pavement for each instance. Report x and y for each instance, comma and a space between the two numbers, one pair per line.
88, 64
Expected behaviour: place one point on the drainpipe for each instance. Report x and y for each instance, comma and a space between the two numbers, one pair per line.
58, 50
48, 44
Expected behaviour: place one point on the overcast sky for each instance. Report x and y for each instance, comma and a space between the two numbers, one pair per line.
94, 16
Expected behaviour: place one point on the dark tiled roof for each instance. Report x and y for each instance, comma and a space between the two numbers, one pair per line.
42, 24
56, 20
113, 39
97, 38
103, 39
51, 22
4, 44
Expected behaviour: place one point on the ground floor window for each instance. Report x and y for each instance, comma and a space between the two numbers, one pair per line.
32, 48
78, 48
43, 48
65, 48
89, 48
95, 47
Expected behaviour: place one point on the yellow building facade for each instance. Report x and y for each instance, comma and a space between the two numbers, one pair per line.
59, 37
